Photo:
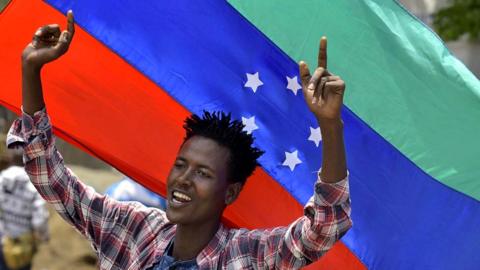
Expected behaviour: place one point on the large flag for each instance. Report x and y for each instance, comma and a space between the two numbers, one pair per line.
137, 68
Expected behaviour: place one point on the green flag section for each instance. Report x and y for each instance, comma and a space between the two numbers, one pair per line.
401, 79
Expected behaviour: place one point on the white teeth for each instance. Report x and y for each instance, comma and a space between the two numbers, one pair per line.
181, 196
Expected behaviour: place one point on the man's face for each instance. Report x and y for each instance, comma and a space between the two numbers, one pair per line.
198, 182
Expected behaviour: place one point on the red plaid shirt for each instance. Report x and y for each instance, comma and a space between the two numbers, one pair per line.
127, 235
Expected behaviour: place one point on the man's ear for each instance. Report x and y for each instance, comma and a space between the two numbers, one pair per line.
233, 190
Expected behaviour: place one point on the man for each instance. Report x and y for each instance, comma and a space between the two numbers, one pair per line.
209, 171
23, 215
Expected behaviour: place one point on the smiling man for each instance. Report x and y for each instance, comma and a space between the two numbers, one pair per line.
210, 169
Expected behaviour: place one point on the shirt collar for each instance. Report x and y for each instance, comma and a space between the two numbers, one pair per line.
207, 255
216, 244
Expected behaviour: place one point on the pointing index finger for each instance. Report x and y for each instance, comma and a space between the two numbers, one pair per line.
70, 23
322, 53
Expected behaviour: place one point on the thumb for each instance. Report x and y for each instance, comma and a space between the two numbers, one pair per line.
305, 77
304, 73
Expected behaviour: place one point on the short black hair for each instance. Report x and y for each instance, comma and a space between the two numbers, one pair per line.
220, 127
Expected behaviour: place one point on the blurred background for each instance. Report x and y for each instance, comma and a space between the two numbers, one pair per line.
457, 22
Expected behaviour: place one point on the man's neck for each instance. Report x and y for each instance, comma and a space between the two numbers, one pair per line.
190, 240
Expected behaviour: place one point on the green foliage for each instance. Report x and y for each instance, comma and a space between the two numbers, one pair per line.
461, 17
3, 4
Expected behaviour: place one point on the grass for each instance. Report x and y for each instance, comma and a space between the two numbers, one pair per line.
3, 3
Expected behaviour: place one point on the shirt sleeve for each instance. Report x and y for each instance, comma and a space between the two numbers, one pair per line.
40, 216
326, 219
110, 225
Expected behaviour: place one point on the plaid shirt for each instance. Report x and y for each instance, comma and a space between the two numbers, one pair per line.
127, 235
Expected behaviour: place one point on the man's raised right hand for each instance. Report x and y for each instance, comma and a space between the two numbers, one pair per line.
48, 44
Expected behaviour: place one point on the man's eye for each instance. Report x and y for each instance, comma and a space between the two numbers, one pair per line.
178, 165
203, 174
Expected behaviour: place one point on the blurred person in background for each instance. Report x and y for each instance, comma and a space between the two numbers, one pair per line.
128, 190
23, 215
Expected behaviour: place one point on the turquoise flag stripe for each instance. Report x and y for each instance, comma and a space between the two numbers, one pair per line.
401, 79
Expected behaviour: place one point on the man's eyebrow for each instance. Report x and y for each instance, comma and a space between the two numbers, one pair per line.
206, 167
201, 166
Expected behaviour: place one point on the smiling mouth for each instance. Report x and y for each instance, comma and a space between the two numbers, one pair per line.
179, 198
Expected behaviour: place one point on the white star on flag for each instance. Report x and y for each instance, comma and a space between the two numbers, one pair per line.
292, 84
291, 159
315, 135
253, 81
249, 123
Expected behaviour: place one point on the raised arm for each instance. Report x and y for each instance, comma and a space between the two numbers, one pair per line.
323, 94
111, 226
327, 213
47, 45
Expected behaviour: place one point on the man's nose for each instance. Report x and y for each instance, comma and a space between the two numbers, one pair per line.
186, 177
